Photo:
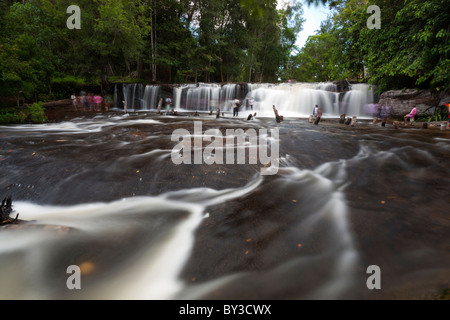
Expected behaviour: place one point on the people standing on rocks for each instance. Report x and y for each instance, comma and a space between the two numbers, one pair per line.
84, 102
91, 102
411, 116
384, 114
98, 100
236, 106
315, 111
108, 102
251, 102
74, 102
448, 106
319, 116
168, 103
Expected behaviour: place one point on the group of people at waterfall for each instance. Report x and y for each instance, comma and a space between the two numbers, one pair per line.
89, 102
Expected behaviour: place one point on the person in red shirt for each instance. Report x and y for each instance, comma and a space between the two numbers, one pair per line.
448, 106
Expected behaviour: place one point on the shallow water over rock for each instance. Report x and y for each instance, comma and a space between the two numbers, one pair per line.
102, 193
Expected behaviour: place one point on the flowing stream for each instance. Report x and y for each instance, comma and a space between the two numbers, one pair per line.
102, 193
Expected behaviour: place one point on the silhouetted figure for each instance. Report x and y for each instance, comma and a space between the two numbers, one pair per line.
384, 114
5, 211
236, 106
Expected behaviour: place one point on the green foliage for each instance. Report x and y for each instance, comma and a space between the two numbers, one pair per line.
218, 41
34, 113
12, 117
64, 86
118, 79
165, 40
410, 50
37, 113
440, 114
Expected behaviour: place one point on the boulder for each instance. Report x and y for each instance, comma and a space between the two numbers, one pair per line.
401, 101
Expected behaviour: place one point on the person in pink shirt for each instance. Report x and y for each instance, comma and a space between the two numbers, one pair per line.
98, 102
411, 116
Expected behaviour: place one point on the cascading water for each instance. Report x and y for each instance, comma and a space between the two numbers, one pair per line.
205, 97
133, 94
291, 99
151, 97
356, 102
199, 98
299, 99
102, 193
137, 96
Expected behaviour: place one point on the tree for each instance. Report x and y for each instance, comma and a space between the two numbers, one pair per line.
28, 60
410, 50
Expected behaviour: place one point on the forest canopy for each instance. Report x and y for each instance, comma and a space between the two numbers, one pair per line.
410, 50
156, 40
181, 41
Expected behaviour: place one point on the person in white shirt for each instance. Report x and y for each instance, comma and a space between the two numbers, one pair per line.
316, 111
251, 102
74, 102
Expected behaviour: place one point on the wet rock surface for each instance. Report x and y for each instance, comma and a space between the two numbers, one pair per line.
102, 192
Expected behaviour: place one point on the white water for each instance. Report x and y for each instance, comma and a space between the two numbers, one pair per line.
291, 99
139, 247
204, 97
137, 96
356, 102
152, 274
298, 100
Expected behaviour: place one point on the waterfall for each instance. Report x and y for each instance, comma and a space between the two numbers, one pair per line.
294, 99
133, 95
151, 97
299, 99
199, 98
291, 99
358, 101
137, 96
205, 97
179, 94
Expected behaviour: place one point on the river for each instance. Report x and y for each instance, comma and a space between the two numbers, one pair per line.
101, 193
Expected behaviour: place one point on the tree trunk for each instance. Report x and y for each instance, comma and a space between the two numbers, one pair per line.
153, 42
140, 64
